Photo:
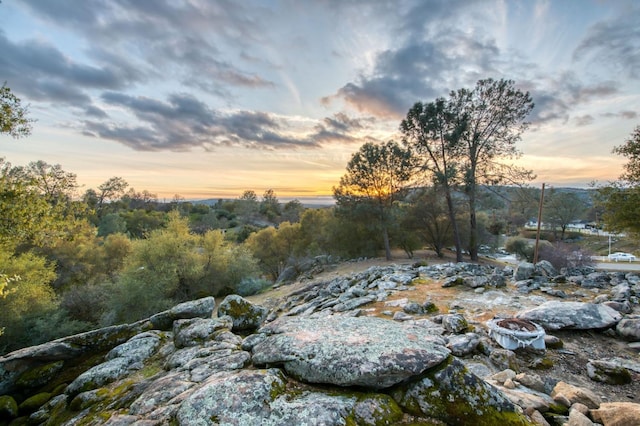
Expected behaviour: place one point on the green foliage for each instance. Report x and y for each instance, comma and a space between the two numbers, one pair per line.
376, 177
141, 222
621, 200
29, 310
13, 115
275, 248
111, 223
521, 247
631, 150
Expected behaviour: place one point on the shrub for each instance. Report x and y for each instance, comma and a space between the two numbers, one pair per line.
562, 255
251, 286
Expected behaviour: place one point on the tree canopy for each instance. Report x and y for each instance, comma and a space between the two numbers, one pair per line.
13, 115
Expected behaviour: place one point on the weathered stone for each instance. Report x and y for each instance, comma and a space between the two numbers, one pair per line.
576, 394
454, 323
617, 414
245, 315
555, 315
348, 351
197, 331
200, 308
629, 329
161, 391
524, 271
608, 372
576, 418
238, 397
545, 268
463, 344
452, 394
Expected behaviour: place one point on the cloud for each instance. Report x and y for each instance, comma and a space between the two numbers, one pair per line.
555, 98
614, 43
627, 115
584, 120
183, 122
179, 39
420, 70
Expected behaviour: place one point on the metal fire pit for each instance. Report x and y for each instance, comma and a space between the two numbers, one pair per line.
514, 333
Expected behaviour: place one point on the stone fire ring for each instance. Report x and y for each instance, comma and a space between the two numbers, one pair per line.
514, 333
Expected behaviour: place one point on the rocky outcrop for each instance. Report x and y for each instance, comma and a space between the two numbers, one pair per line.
346, 351
324, 355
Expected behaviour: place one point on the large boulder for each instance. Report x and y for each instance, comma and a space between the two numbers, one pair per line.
617, 414
245, 315
555, 315
349, 351
452, 394
629, 329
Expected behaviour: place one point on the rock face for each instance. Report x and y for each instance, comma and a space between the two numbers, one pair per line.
323, 355
556, 315
347, 351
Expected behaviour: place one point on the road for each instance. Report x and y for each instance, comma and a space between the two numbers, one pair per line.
618, 266
605, 266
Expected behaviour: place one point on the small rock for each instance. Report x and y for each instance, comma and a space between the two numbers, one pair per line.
608, 372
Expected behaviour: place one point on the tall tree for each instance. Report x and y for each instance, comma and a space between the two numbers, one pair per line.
51, 181
376, 177
433, 131
110, 190
494, 114
13, 115
621, 199
561, 208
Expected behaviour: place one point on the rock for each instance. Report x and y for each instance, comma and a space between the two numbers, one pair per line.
245, 315
532, 381
196, 331
454, 323
121, 360
161, 392
401, 316
451, 394
8, 407
608, 372
200, 308
413, 308
348, 351
556, 315
34, 402
238, 397
576, 394
524, 271
463, 344
617, 414
576, 418
504, 359
545, 268
629, 329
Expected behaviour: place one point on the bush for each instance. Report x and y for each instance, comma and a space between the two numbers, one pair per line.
562, 255
521, 247
251, 286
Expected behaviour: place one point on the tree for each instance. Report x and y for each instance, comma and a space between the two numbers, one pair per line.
51, 181
247, 206
621, 199
376, 177
561, 208
270, 206
494, 114
13, 116
110, 190
429, 217
433, 130
631, 150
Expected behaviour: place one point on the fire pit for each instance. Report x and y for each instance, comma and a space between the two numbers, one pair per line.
513, 333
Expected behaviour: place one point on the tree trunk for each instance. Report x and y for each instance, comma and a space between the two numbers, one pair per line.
473, 226
454, 225
387, 247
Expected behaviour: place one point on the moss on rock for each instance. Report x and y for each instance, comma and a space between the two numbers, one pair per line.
8, 407
34, 402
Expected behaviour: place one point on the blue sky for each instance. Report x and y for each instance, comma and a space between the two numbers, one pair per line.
210, 98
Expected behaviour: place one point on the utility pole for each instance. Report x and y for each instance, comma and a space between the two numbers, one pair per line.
535, 250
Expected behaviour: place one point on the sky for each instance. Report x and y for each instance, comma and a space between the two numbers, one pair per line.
209, 98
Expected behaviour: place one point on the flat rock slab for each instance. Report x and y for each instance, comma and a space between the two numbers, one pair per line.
349, 351
557, 315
